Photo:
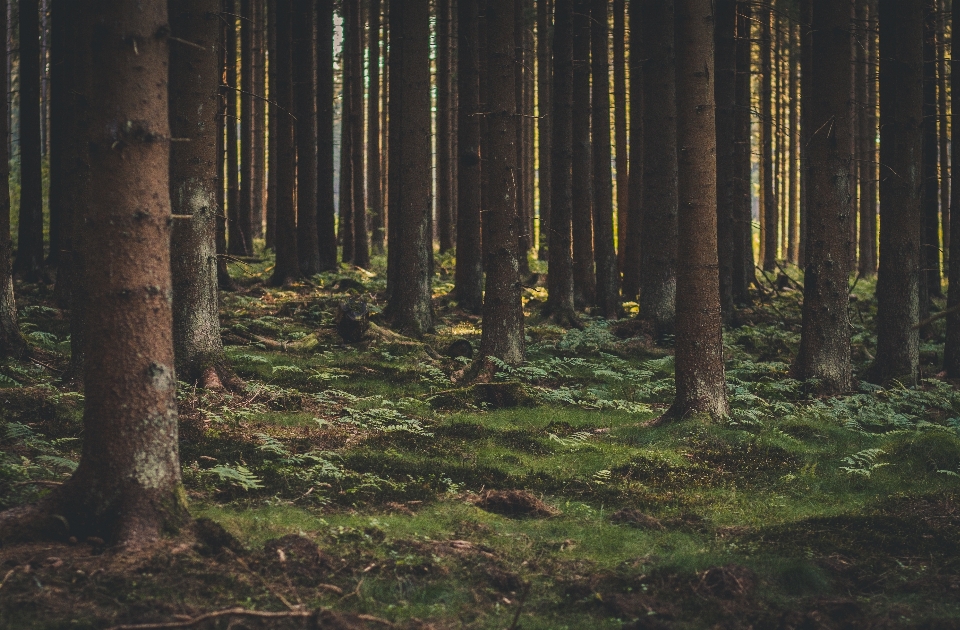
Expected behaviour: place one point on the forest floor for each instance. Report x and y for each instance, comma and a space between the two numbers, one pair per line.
360, 479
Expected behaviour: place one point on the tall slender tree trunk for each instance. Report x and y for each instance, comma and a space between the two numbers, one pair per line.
522, 69
806, 87
361, 243
725, 86
560, 278
246, 86
411, 242
381, 237
272, 127
305, 102
224, 280
943, 119
528, 241
699, 355
544, 118
605, 255
825, 340
770, 215
56, 36
620, 127
901, 143
631, 241
347, 80
951, 350
374, 196
930, 284
502, 334
868, 147
30, 231
658, 270
584, 278
238, 231
469, 270
288, 263
445, 226
744, 266
793, 137
257, 92
326, 211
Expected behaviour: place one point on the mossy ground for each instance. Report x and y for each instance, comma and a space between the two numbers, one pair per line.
350, 477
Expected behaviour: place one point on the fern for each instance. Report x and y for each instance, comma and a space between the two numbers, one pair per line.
863, 464
9, 382
239, 476
54, 461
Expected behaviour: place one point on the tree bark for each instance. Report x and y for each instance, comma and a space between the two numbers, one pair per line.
605, 255
29, 257
246, 85
584, 277
374, 196
632, 240
793, 137
305, 101
194, 117
257, 92
544, 118
238, 225
361, 243
620, 128
768, 230
744, 269
287, 266
326, 212
806, 87
445, 226
272, 125
825, 340
409, 302
658, 270
930, 283
522, 69
868, 148
502, 334
943, 120
224, 280
951, 350
348, 79
59, 49
701, 388
560, 278
726, 98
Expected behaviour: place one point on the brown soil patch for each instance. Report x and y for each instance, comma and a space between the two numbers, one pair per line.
636, 518
728, 582
517, 503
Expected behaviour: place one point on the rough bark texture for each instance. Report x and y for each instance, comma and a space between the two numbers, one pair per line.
930, 283
30, 230
868, 147
658, 269
361, 243
272, 124
560, 278
605, 255
806, 87
951, 351
726, 98
195, 117
793, 200
238, 225
744, 265
348, 79
469, 270
374, 196
901, 120
223, 273
620, 127
584, 278
245, 84
445, 226
825, 340
524, 109
59, 114
544, 118
502, 311
326, 212
409, 175
288, 265
632, 240
768, 223
943, 117
305, 102
256, 92
699, 355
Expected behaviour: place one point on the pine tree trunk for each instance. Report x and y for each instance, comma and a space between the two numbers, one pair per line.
521, 70
361, 243
238, 239
658, 270
528, 242
544, 110
30, 231
288, 265
608, 278
560, 278
943, 119
63, 145
699, 353
744, 268
951, 350
620, 128
584, 278
806, 87
246, 84
725, 74
374, 196
868, 147
194, 117
445, 226
345, 225
793, 137
409, 302
502, 335
930, 283
631, 241
825, 340
326, 211
305, 102
770, 215
224, 280
272, 126
901, 141
257, 90
469, 270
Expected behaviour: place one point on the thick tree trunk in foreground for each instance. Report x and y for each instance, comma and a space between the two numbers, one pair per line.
545, 112
288, 262
469, 270
502, 312
608, 278
326, 211
374, 196
951, 351
305, 100
699, 355
658, 269
194, 116
584, 279
409, 304
825, 341
726, 98
631, 241
560, 278
30, 242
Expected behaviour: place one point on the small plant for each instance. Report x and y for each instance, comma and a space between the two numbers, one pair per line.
864, 463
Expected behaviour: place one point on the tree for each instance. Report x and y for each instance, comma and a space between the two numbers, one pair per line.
632, 240
194, 118
246, 87
930, 283
544, 109
270, 236
502, 334
288, 262
901, 140
30, 232
326, 212
305, 101
868, 149
943, 126
620, 126
744, 267
605, 256
584, 278
361, 243
254, 90
951, 351
409, 300
127, 487
347, 119
825, 340
560, 278
658, 268
726, 98
445, 213
239, 241
768, 223
374, 196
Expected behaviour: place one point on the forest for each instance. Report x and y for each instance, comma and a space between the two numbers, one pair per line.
429, 314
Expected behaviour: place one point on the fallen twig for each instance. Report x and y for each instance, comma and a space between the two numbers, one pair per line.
950, 311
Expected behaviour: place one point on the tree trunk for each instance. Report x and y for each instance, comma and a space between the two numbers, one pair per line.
868, 147
608, 279
380, 237
272, 124
288, 265
194, 117
238, 229
726, 143
246, 85
361, 244
658, 270
770, 215
631, 241
305, 101
930, 283
699, 355
806, 87
257, 92
744, 266
544, 111
224, 281
620, 128
522, 69
30, 231
127, 487
445, 226
502, 335
56, 100
584, 278
409, 302
326, 212
951, 351
347, 81
374, 196
825, 340
943, 119
469, 270
560, 278
793, 137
